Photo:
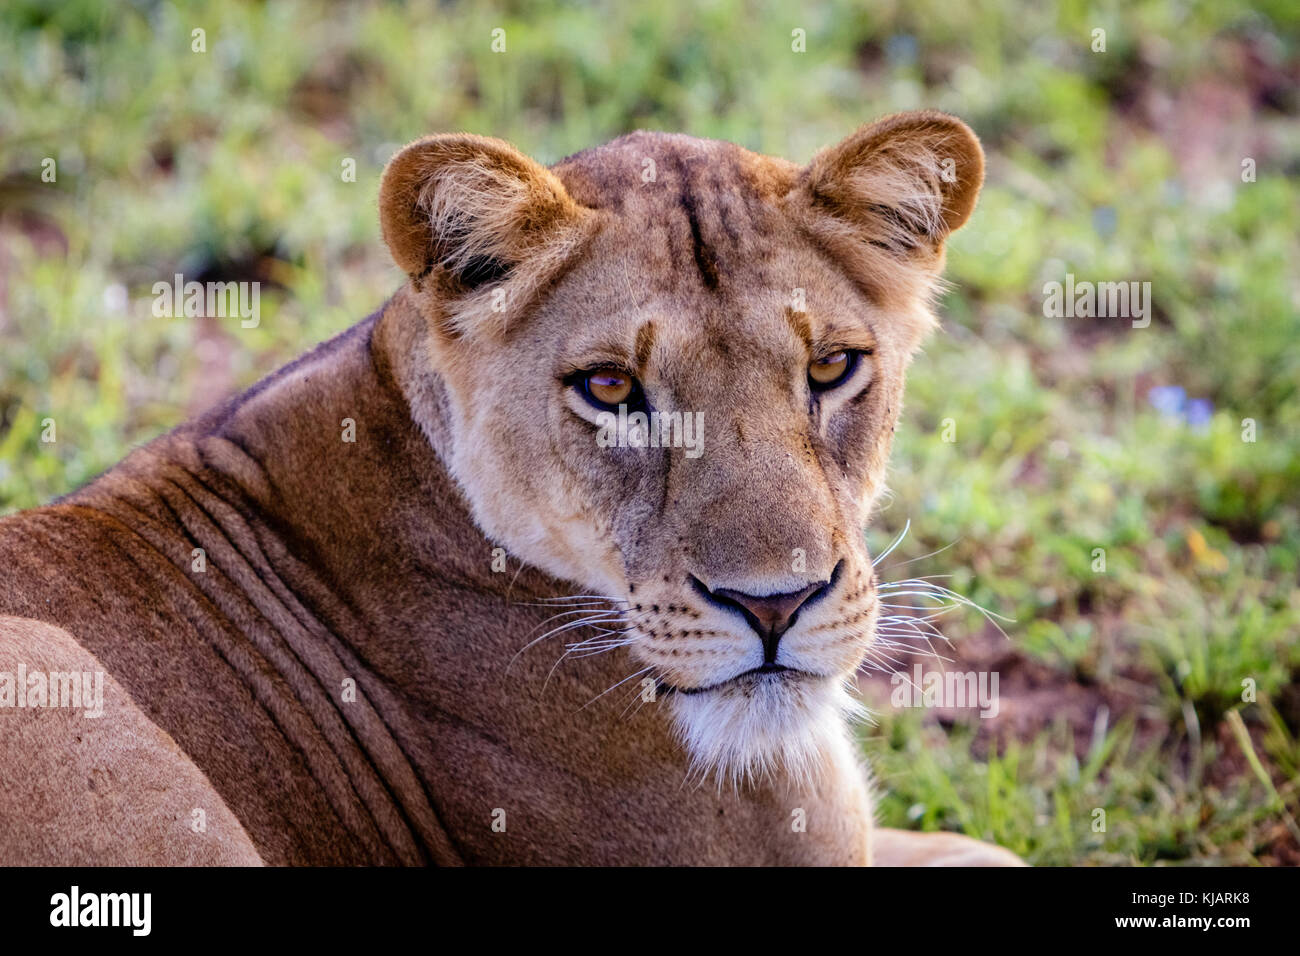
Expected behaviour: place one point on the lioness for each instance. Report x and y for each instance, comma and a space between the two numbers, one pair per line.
414, 599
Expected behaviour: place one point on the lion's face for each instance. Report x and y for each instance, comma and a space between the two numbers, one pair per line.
677, 390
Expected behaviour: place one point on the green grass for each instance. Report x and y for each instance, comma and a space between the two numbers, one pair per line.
1113, 166
1121, 802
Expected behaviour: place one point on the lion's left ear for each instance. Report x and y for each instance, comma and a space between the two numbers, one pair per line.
901, 184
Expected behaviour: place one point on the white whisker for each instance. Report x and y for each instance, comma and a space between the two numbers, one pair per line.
619, 684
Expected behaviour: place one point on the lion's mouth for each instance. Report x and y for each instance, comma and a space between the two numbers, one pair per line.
766, 672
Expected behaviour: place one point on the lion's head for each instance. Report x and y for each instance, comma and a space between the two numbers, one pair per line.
759, 317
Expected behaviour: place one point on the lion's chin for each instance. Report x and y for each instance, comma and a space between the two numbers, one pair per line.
764, 727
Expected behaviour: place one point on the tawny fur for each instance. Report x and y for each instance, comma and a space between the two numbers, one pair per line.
370, 564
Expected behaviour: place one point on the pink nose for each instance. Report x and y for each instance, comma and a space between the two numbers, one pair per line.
770, 615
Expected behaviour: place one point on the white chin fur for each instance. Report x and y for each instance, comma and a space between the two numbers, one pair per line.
764, 728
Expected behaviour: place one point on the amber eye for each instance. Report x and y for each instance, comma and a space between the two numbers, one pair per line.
831, 370
608, 388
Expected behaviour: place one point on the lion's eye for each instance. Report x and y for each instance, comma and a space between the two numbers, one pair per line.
831, 370
609, 388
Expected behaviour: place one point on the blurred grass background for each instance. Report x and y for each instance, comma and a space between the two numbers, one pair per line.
1122, 689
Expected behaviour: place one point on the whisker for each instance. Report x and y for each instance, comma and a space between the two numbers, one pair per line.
619, 684
897, 541
597, 618
569, 598
903, 564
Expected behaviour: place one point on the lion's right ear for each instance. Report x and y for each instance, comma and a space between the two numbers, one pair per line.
475, 209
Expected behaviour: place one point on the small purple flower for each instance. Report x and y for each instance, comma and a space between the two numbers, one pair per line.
1168, 400
1171, 401
1198, 412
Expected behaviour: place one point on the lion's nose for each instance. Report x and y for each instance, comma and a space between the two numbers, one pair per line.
770, 615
